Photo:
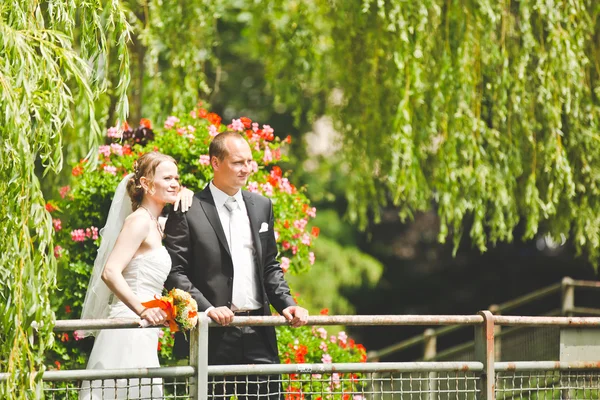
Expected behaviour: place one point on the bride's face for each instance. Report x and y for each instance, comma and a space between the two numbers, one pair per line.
166, 183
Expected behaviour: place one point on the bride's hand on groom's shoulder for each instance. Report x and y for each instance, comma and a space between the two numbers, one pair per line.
154, 316
184, 200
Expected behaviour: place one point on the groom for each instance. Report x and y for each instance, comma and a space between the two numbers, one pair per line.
223, 252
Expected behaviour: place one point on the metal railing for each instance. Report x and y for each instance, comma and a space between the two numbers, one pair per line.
509, 342
483, 378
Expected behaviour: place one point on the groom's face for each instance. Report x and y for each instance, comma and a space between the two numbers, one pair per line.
232, 172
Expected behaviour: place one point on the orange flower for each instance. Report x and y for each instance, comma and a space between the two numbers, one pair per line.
246, 121
126, 126
324, 311
315, 231
202, 113
77, 170
146, 123
288, 139
277, 171
214, 119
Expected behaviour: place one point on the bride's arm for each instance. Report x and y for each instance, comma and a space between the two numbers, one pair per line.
134, 232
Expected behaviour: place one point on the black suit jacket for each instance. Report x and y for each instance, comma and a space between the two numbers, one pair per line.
202, 263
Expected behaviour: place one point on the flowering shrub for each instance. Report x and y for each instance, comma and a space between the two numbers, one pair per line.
315, 345
81, 207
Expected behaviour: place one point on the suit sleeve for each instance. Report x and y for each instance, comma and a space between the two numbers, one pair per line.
178, 243
278, 291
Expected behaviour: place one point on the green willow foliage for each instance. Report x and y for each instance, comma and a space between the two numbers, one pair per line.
487, 109
50, 78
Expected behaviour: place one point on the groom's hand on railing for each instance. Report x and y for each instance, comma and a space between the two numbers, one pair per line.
296, 316
221, 315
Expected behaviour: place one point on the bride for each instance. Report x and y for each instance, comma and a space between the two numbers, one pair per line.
131, 268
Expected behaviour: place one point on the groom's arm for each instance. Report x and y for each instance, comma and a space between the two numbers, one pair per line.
275, 284
177, 242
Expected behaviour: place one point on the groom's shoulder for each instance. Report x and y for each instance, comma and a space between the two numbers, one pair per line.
256, 198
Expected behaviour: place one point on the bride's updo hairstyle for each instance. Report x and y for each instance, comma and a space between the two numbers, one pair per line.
145, 166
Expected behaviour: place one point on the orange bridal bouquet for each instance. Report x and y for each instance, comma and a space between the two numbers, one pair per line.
181, 309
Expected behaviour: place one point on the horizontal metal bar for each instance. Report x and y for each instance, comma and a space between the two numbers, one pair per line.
586, 284
546, 365
353, 320
266, 369
93, 374
578, 322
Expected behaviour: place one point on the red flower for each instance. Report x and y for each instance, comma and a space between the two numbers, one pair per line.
50, 207
146, 123
277, 171
159, 346
68, 309
57, 363
249, 133
64, 337
286, 224
324, 311
126, 150
126, 126
315, 231
214, 119
202, 113
77, 170
288, 139
246, 121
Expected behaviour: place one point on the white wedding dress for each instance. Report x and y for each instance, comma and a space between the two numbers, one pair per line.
130, 348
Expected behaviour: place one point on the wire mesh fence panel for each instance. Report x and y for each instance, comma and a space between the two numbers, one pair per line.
530, 344
562, 385
134, 388
354, 386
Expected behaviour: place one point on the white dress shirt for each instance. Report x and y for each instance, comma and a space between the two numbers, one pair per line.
245, 282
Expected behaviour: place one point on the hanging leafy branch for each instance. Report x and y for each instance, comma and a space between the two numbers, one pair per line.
51, 58
487, 110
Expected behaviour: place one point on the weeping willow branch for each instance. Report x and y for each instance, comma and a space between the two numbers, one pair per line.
49, 69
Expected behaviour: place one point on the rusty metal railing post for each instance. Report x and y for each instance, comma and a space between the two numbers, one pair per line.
495, 309
199, 358
568, 296
484, 352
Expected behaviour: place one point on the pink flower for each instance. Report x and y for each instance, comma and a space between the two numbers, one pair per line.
57, 224
117, 149
190, 128
57, 251
285, 264
78, 235
254, 166
237, 125
286, 245
63, 191
268, 157
306, 239
212, 131
170, 122
326, 359
267, 189
323, 346
322, 332
285, 186
294, 250
332, 339
342, 337
267, 130
77, 335
110, 169
161, 333
253, 187
255, 126
104, 150
114, 132
335, 377
300, 224
204, 159
91, 232
311, 212
182, 131
311, 258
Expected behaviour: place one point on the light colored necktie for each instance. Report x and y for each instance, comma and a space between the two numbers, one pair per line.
236, 248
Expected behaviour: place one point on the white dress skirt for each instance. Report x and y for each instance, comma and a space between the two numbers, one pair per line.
130, 348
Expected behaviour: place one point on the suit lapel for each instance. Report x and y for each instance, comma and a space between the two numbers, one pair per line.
208, 205
254, 226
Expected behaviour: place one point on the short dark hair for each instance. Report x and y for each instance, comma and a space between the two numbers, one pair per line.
217, 147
